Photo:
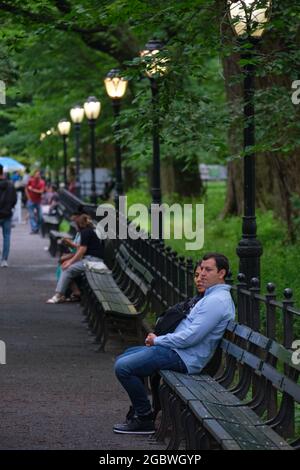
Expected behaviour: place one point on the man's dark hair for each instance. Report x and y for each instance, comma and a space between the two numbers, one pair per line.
221, 261
1, 169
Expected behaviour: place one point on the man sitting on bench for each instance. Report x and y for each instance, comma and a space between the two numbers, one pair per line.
188, 349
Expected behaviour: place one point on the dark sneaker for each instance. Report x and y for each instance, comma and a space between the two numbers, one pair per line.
130, 415
135, 426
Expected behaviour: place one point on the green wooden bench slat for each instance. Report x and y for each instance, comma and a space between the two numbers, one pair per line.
273, 375
291, 388
251, 360
282, 354
259, 340
243, 331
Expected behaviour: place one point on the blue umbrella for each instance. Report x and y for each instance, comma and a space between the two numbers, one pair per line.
9, 164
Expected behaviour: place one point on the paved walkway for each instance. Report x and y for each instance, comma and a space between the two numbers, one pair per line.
56, 392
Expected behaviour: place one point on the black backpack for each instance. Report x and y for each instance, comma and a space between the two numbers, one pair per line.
168, 321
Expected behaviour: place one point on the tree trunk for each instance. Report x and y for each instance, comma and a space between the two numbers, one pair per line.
182, 181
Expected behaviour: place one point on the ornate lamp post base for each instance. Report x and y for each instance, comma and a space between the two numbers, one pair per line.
249, 250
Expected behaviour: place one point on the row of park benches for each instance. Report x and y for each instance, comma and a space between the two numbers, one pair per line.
246, 399
254, 377
230, 410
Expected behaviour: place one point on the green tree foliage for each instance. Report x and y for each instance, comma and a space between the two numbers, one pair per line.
62, 50
56, 52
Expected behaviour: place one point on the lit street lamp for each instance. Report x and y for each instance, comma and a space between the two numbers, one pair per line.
116, 86
248, 19
92, 108
77, 115
155, 67
64, 127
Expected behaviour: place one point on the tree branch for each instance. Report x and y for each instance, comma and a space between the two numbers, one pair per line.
112, 41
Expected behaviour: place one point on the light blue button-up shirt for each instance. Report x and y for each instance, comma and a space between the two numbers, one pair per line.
196, 337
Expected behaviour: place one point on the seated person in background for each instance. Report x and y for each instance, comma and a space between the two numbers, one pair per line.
50, 200
72, 186
72, 246
188, 349
90, 249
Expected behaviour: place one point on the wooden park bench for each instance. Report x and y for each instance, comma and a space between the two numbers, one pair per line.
117, 299
250, 398
250, 403
49, 222
55, 245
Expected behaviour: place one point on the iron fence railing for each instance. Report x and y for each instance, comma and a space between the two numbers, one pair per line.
278, 320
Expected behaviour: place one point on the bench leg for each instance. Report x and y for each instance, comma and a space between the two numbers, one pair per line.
99, 328
190, 427
154, 385
87, 299
165, 422
94, 316
176, 432
104, 333
202, 440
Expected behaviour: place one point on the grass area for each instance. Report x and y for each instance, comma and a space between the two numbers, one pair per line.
280, 261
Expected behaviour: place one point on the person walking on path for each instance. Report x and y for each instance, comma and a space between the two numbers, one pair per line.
8, 199
34, 190
188, 349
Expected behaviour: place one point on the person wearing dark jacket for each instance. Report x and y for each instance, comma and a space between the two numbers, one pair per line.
8, 200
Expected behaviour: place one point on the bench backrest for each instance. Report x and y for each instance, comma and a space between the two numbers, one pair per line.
133, 278
264, 373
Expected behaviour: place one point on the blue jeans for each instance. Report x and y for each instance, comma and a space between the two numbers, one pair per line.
35, 215
67, 275
6, 230
142, 361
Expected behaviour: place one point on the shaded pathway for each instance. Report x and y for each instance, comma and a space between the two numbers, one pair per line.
56, 392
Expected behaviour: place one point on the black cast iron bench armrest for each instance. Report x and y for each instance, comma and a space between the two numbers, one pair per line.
55, 239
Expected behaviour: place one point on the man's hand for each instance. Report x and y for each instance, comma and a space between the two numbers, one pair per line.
65, 257
149, 341
34, 190
66, 241
66, 264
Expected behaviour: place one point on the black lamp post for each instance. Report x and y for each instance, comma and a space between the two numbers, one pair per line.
248, 19
64, 127
116, 86
77, 115
92, 108
155, 68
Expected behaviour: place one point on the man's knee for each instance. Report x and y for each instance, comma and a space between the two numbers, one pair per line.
121, 367
71, 273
